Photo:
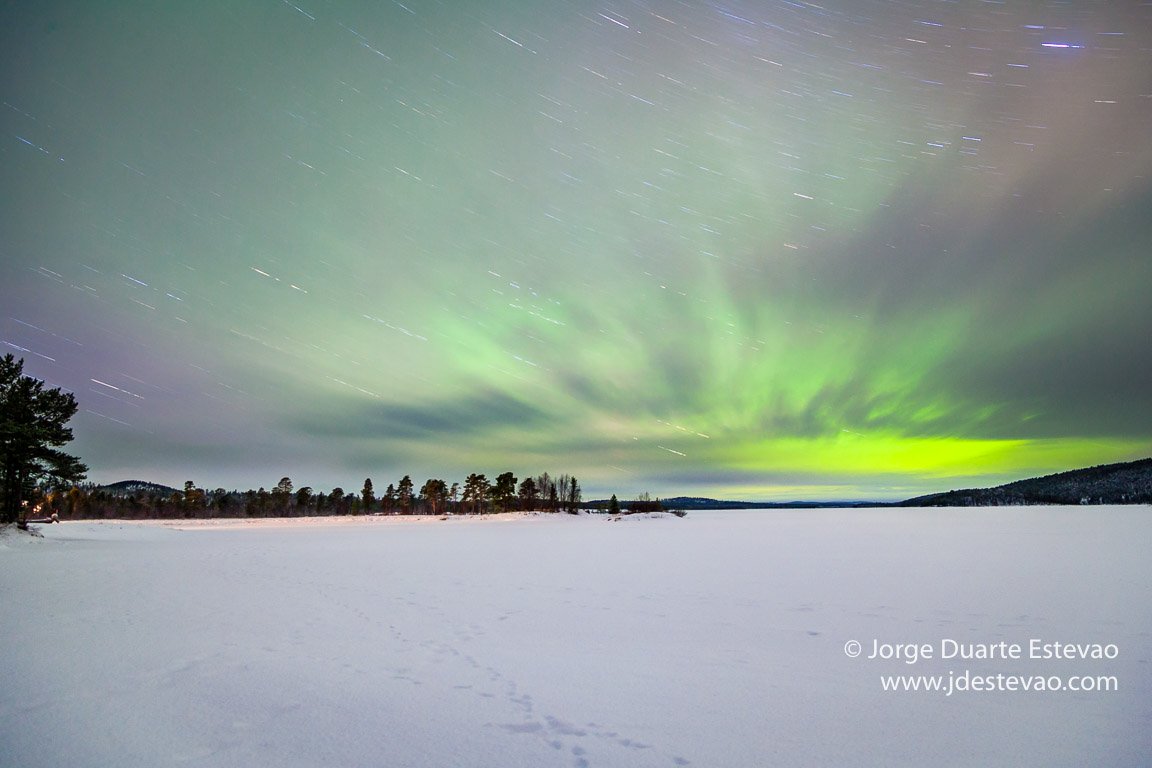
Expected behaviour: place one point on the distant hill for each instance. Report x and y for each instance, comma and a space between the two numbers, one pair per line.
1126, 483
138, 488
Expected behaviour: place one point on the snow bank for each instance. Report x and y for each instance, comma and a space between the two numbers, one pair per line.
714, 640
11, 536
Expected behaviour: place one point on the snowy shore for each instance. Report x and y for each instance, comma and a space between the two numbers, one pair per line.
722, 639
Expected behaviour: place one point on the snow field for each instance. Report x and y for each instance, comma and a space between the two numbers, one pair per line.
714, 640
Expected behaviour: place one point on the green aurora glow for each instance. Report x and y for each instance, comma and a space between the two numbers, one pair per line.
759, 251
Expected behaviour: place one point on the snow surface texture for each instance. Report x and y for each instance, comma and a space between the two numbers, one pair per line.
715, 640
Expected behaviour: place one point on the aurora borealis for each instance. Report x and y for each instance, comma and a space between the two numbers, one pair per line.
760, 250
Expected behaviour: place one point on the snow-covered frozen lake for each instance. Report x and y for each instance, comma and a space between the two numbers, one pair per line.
716, 640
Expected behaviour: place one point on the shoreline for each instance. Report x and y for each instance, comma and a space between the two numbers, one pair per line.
315, 521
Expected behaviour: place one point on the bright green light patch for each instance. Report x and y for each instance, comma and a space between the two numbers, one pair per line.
927, 458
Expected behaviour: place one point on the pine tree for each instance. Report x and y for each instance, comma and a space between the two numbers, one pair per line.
368, 496
475, 492
528, 494
193, 500
32, 427
434, 494
504, 490
282, 496
573, 496
336, 501
404, 493
304, 499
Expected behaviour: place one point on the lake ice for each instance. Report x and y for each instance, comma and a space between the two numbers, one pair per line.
715, 640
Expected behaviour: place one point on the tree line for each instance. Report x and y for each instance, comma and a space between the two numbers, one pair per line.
476, 495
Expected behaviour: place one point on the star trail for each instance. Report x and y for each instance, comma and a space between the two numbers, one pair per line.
759, 250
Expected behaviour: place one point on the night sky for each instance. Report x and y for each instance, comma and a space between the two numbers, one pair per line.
759, 250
